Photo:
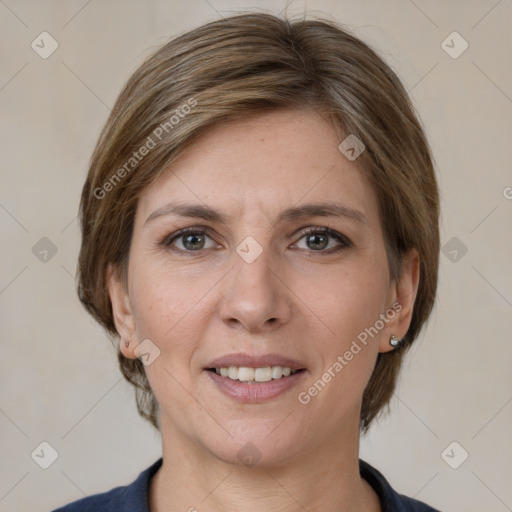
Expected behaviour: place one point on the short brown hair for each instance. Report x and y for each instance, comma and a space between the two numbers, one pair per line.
244, 65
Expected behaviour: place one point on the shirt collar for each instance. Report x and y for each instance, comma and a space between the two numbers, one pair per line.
135, 497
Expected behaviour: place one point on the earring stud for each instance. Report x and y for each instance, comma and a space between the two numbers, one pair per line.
394, 341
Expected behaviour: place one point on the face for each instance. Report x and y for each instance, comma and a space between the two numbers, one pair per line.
261, 248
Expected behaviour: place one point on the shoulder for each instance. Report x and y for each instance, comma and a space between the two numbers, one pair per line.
128, 498
107, 501
390, 500
412, 505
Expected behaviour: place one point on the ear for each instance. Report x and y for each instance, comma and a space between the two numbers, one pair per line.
403, 297
122, 312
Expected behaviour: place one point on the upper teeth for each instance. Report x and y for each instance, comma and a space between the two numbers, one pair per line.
246, 374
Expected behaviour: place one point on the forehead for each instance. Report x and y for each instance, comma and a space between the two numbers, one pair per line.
267, 163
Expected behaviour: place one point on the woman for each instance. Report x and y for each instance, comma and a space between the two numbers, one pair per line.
260, 236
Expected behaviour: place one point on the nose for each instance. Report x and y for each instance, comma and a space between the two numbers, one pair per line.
255, 296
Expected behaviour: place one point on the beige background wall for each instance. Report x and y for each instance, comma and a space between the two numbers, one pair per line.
59, 378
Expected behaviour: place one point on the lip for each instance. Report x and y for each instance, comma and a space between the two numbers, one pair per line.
255, 392
255, 361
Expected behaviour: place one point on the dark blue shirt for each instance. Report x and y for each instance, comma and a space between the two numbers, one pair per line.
134, 497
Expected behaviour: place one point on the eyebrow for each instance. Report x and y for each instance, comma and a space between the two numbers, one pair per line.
199, 211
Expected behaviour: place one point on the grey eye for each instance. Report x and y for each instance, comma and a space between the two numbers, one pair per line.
191, 241
318, 240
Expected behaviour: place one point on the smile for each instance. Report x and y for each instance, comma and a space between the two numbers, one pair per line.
252, 390
248, 374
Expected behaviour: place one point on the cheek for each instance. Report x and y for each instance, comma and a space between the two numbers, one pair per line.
170, 309
156, 309
162, 296
349, 299
349, 306
348, 303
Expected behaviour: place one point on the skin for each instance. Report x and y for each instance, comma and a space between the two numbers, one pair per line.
292, 300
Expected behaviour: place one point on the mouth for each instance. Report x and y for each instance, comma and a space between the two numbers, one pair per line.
254, 378
255, 375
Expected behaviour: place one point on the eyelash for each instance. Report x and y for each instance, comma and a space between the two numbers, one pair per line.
200, 230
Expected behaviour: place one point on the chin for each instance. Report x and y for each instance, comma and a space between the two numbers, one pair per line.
250, 454
255, 446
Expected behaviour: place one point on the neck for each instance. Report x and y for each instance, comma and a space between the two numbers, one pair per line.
324, 477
